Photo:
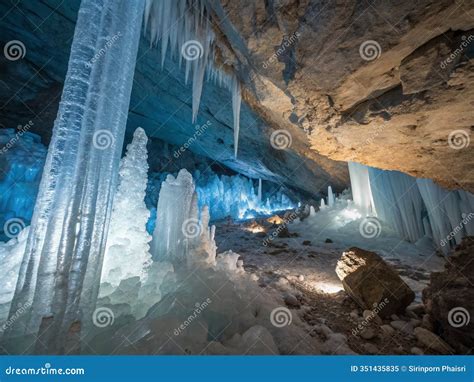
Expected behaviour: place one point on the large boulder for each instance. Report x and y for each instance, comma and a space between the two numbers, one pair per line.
372, 283
449, 299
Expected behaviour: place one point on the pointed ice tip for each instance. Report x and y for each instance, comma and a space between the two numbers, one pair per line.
140, 134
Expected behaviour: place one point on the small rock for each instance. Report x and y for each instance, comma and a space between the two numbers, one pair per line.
432, 341
402, 326
367, 334
387, 329
418, 309
291, 300
307, 242
416, 351
328, 241
394, 317
370, 315
370, 348
301, 278
415, 322
354, 314
427, 323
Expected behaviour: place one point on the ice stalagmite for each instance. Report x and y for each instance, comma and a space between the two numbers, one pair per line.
127, 252
62, 264
260, 190
330, 197
175, 218
360, 185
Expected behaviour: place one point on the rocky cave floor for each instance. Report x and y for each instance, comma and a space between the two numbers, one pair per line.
304, 273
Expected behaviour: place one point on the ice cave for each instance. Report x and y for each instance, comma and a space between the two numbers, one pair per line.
205, 177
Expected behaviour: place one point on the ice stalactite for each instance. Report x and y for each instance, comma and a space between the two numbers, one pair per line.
414, 208
60, 272
184, 30
236, 101
128, 252
398, 202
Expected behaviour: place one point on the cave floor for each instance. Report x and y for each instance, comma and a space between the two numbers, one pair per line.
303, 272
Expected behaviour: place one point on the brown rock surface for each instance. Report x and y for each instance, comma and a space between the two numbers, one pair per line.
372, 283
449, 299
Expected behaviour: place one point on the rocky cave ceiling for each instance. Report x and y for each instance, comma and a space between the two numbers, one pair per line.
303, 69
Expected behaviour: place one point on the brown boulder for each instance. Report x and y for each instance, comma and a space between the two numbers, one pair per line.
449, 299
372, 283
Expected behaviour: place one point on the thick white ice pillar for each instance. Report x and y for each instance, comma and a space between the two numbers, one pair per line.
360, 186
61, 269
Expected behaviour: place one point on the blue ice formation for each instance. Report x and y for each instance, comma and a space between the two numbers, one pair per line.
415, 208
22, 157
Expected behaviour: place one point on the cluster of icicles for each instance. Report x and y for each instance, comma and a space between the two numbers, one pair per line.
184, 29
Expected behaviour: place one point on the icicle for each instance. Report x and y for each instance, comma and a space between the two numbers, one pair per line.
259, 190
236, 101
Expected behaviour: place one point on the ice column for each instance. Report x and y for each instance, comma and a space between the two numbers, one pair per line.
62, 264
360, 186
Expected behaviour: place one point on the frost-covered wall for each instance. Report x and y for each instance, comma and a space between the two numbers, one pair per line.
415, 208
